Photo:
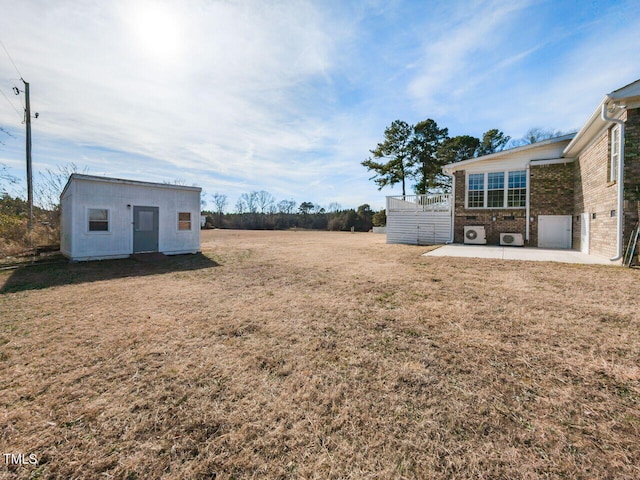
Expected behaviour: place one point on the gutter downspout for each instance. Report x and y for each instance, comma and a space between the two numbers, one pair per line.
528, 203
620, 178
452, 206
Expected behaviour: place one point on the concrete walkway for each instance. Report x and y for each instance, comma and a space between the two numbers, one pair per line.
518, 253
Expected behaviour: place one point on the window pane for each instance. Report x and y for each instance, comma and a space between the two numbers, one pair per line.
476, 199
476, 181
98, 220
495, 181
517, 197
98, 214
145, 221
184, 221
518, 179
495, 198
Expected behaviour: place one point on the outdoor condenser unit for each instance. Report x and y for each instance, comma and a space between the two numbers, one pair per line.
475, 235
512, 239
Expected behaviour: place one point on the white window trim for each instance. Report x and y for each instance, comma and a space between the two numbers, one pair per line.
614, 155
97, 232
486, 190
190, 222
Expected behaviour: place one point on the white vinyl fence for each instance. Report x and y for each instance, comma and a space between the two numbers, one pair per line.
419, 219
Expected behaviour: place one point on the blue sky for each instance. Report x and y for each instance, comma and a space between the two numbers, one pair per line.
290, 96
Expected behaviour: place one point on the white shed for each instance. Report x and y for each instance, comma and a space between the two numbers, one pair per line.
105, 217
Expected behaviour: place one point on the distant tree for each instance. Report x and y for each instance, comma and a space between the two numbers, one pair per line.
492, 141
175, 181
219, 202
379, 219
334, 207
390, 159
306, 207
240, 206
536, 134
425, 143
250, 201
286, 206
264, 201
456, 149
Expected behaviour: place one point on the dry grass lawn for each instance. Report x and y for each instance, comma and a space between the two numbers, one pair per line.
320, 355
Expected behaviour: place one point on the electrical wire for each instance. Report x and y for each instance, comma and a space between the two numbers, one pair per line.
10, 59
11, 103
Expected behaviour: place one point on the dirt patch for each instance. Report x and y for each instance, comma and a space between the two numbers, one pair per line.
320, 355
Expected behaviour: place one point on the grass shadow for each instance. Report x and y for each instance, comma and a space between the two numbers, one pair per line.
41, 276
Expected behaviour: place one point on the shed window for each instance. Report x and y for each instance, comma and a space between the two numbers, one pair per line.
615, 154
184, 221
98, 220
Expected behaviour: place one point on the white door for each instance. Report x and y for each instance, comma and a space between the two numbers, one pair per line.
554, 231
584, 233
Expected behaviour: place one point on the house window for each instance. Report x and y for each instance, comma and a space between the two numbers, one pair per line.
495, 190
98, 220
488, 190
184, 221
475, 196
517, 192
615, 154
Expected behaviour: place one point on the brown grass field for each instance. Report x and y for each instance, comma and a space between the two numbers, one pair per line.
320, 355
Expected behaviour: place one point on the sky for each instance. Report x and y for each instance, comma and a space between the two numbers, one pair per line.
290, 96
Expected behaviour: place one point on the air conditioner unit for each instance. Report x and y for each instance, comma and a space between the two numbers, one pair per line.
512, 239
475, 235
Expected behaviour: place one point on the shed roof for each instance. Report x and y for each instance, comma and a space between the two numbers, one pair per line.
96, 178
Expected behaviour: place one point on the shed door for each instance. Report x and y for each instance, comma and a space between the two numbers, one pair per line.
554, 231
145, 229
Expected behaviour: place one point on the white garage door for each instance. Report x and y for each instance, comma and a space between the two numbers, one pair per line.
554, 231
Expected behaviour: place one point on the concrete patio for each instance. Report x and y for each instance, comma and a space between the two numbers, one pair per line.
518, 253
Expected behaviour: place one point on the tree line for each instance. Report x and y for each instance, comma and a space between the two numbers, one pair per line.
259, 210
416, 153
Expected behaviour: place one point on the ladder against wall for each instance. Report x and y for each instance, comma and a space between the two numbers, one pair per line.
632, 246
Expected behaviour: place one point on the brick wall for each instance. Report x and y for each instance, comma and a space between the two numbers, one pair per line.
495, 221
551, 193
631, 173
596, 195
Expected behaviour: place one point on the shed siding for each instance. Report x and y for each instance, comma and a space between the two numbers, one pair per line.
118, 241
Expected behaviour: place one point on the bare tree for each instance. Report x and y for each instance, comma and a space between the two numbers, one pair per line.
264, 201
334, 207
287, 206
250, 200
219, 201
536, 134
6, 178
52, 182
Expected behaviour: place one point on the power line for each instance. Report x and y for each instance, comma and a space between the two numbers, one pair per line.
11, 103
10, 59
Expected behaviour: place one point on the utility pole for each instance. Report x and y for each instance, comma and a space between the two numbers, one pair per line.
28, 149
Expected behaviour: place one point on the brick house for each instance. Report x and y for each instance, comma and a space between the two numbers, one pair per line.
577, 191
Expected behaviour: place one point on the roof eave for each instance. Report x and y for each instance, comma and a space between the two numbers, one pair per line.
453, 166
